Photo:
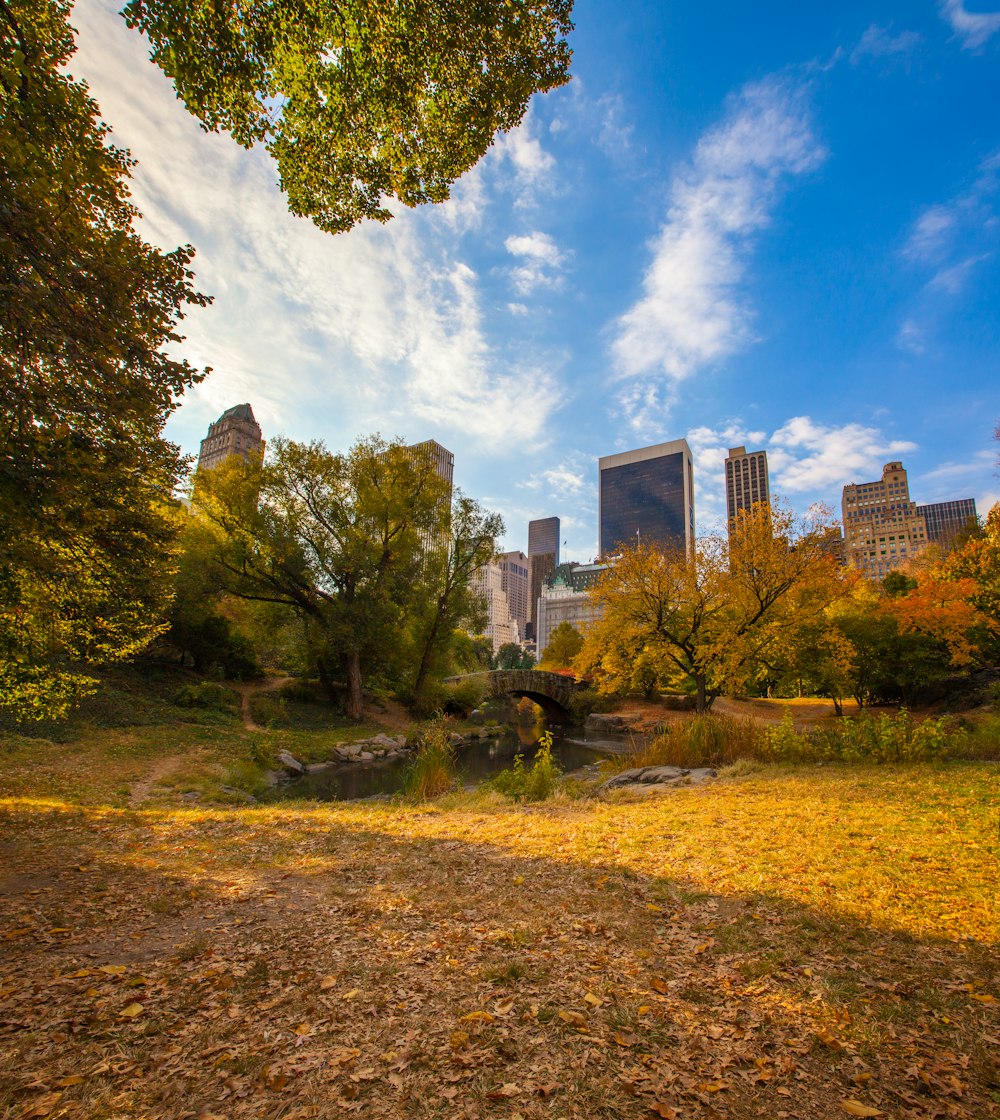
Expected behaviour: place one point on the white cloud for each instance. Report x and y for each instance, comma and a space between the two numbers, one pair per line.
690, 313
541, 260
879, 42
947, 472
806, 456
534, 167
327, 336
954, 278
973, 28
911, 336
931, 233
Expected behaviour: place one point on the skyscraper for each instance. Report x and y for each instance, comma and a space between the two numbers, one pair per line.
746, 481
501, 628
945, 520
236, 432
443, 462
514, 572
882, 528
543, 559
647, 495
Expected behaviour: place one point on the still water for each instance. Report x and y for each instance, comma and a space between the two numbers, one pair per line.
476, 762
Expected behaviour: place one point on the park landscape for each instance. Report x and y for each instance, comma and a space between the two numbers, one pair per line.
800, 921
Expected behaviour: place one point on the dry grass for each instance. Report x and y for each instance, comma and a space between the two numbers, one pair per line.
775, 945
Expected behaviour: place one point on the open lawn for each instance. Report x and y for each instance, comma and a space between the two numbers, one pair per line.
788, 942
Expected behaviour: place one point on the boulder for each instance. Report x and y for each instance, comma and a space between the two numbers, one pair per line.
662, 776
366, 756
240, 793
290, 763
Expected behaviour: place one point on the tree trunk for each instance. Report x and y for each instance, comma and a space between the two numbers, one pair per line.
425, 656
838, 707
355, 694
324, 678
701, 704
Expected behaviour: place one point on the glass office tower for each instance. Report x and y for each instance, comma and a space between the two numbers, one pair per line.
543, 559
647, 496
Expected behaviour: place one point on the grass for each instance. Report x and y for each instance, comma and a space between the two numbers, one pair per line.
433, 770
783, 941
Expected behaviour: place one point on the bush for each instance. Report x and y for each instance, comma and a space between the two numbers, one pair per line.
589, 700
462, 697
301, 692
536, 784
204, 694
867, 738
432, 771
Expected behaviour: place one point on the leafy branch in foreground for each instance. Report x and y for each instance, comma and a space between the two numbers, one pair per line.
87, 311
360, 101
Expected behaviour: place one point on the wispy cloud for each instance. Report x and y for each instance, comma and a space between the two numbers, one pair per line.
378, 328
951, 240
541, 261
973, 28
691, 312
880, 42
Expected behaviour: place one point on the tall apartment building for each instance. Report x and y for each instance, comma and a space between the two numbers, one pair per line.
647, 495
514, 573
500, 627
236, 432
543, 559
746, 481
443, 461
945, 520
882, 528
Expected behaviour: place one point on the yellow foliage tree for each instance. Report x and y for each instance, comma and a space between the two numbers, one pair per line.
710, 619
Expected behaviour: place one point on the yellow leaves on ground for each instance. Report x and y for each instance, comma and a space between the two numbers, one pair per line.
131, 1011
856, 1108
574, 1019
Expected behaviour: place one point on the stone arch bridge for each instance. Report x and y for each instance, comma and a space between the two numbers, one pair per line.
550, 691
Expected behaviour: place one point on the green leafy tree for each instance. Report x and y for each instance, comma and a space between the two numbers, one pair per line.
337, 538
359, 101
447, 594
88, 313
565, 642
512, 656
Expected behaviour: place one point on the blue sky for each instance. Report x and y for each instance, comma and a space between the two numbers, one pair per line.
776, 225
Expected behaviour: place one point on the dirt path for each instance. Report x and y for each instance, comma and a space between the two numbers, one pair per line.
249, 689
162, 768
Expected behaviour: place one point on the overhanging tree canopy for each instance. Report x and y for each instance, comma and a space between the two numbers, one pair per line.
361, 100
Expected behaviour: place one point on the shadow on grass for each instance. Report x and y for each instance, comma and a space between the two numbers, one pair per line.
313, 963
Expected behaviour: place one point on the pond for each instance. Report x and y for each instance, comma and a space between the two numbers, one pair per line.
476, 762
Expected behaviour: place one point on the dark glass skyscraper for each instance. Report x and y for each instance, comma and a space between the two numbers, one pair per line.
543, 559
647, 495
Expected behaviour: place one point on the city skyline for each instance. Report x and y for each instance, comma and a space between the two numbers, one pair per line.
709, 234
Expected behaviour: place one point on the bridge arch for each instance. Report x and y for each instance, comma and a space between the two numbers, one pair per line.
552, 692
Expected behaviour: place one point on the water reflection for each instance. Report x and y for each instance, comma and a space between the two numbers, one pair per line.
476, 762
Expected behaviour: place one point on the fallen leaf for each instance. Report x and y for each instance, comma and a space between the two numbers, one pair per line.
574, 1019
504, 1008
624, 1038
113, 969
303, 1029
856, 1108
459, 1039
131, 1011
67, 1082
985, 998
659, 985
663, 1110
327, 982
594, 1001
477, 1017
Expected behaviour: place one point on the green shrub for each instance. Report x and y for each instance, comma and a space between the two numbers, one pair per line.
536, 784
432, 771
589, 700
301, 692
462, 697
204, 694
268, 710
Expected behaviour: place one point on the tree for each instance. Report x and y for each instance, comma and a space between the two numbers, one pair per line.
471, 542
709, 620
565, 642
359, 101
88, 311
512, 656
339, 539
